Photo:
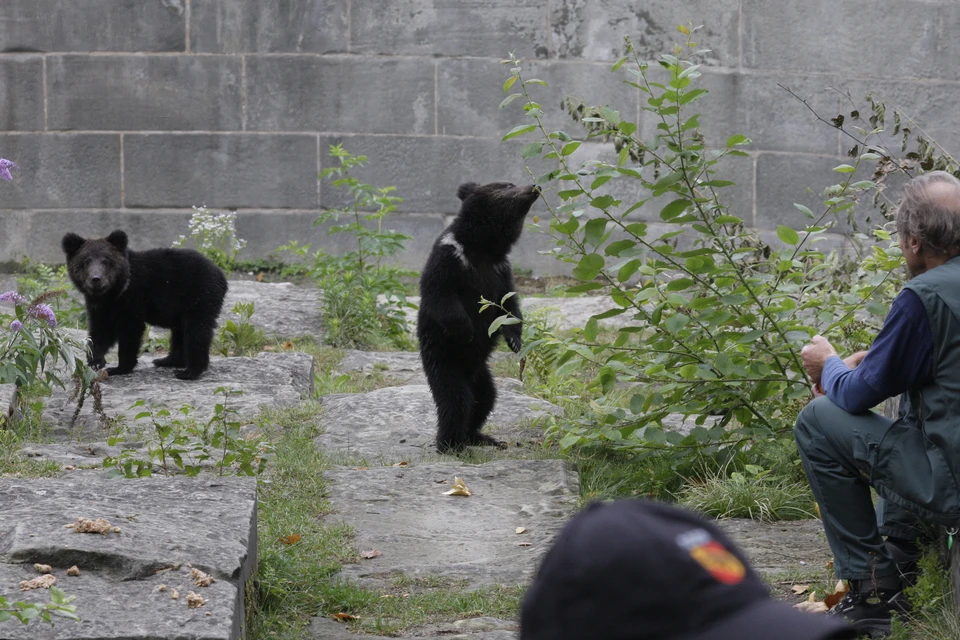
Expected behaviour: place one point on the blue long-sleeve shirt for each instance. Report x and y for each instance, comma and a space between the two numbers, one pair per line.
900, 358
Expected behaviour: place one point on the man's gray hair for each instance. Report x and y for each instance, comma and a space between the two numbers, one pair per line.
930, 212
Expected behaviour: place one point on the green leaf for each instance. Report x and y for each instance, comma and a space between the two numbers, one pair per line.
569, 193
717, 184
804, 210
736, 140
519, 130
788, 235
531, 150
689, 371
616, 248
844, 168
619, 63
674, 209
569, 148
504, 299
627, 270
591, 329
585, 287
690, 96
509, 83
603, 202
594, 230
510, 98
667, 181
588, 267
680, 284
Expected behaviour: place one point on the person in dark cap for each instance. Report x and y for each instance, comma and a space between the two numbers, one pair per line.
638, 570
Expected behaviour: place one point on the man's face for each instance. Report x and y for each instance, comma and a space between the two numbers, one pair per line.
912, 251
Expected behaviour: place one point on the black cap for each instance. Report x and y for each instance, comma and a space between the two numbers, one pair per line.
638, 570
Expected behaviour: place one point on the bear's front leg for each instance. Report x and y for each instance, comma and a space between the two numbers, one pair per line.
128, 349
101, 339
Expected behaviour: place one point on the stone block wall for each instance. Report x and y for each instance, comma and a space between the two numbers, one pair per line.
124, 113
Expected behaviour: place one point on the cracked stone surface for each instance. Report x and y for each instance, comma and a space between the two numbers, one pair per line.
281, 309
402, 512
399, 423
272, 379
165, 524
780, 547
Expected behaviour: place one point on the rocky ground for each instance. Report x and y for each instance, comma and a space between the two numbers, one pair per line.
389, 488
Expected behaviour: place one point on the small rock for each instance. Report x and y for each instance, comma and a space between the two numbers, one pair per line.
73, 571
43, 568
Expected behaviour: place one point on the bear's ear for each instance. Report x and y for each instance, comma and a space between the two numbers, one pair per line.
71, 243
464, 190
118, 239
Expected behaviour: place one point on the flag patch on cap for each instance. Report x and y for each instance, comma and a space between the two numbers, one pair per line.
713, 556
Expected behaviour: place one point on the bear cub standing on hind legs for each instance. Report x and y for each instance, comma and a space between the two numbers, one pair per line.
177, 289
469, 260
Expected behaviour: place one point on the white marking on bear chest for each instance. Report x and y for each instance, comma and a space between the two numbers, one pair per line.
450, 241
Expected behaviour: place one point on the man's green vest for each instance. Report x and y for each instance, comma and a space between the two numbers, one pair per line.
918, 461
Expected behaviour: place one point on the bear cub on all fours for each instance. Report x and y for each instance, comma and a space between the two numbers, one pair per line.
177, 289
469, 260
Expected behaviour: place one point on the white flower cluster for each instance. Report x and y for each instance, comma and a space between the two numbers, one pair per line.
214, 231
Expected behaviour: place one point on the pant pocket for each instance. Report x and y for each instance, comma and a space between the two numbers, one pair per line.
865, 448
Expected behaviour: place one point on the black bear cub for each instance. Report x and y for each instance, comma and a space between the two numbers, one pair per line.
177, 289
469, 260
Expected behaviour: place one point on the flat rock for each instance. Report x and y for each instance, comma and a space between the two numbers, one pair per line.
420, 532
275, 379
165, 524
780, 547
396, 424
281, 309
327, 629
403, 367
563, 313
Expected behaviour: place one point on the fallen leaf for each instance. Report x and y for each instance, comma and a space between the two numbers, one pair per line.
40, 582
260, 277
291, 539
287, 346
458, 488
200, 578
343, 617
195, 601
519, 530
269, 347
816, 508
361, 468
811, 606
838, 592
43, 568
373, 553
829, 565
800, 589
401, 464
525, 544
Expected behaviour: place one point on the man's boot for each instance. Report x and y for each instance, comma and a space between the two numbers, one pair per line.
869, 607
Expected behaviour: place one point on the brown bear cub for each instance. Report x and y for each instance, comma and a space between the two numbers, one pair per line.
177, 289
469, 260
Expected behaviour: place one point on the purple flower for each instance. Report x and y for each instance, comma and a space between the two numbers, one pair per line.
5, 167
12, 296
16, 325
44, 312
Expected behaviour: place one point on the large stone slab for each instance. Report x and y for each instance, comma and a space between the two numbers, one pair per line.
21, 88
780, 547
239, 26
467, 629
420, 532
281, 309
68, 171
397, 424
298, 93
272, 379
153, 93
165, 524
52, 25
220, 170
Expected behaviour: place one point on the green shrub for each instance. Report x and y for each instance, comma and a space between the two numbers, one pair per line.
717, 314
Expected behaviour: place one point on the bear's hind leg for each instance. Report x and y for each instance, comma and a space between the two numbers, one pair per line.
454, 399
196, 344
176, 356
485, 397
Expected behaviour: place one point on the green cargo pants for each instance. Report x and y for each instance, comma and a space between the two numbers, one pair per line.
834, 448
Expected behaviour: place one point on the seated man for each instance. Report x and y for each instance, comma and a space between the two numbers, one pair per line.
634, 570
912, 462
